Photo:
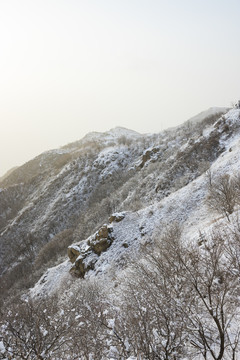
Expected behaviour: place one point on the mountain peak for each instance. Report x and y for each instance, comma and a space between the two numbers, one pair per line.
120, 130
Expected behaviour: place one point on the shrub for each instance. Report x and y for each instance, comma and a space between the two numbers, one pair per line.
54, 248
222, 194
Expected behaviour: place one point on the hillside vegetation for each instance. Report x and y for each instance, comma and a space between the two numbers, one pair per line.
125, 246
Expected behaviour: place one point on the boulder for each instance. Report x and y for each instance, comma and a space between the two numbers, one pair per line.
100, 245
116, 217
102, 232
101, 240
83, 264
73, 252
148, 154
86, 254
78, 269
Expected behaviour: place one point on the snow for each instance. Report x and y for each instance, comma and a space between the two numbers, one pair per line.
138, 228
185, 206
2, 348
75, 247
112, 134
121, 131
133, 230
109, 136
110, 160
52, 280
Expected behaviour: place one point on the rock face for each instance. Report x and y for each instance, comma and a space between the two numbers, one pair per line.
52, 192
237, 105
83, 264
100, 245
85, 254
148, 154
116, 217
73, 253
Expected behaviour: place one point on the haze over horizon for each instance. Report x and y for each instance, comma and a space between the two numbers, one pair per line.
72, 67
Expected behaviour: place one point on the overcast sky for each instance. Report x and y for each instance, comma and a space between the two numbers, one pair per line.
68, 67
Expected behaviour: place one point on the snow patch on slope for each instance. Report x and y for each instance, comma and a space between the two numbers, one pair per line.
52, 280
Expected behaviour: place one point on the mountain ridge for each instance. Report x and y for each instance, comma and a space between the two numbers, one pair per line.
191, 211
112, 237
57, 187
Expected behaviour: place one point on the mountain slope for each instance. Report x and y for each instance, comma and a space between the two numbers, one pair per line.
78, 186
186, 206
150, 224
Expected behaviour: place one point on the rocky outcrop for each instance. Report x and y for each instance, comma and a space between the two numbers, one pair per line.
100, 245
237, 105
85, 254
147, 155
73, 252
83, 264
116, 217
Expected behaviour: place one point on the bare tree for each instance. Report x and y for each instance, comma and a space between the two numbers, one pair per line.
33, 330
215, 290
177, 301
182, 301
152, 322
89, 335
222, 195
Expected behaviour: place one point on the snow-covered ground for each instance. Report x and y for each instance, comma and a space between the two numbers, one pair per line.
186, 207
163, 176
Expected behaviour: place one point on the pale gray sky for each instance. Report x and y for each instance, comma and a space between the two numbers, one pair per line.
68, 67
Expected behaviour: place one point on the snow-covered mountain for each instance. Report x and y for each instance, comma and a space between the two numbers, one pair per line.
56, 190
92, 208
178, 198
